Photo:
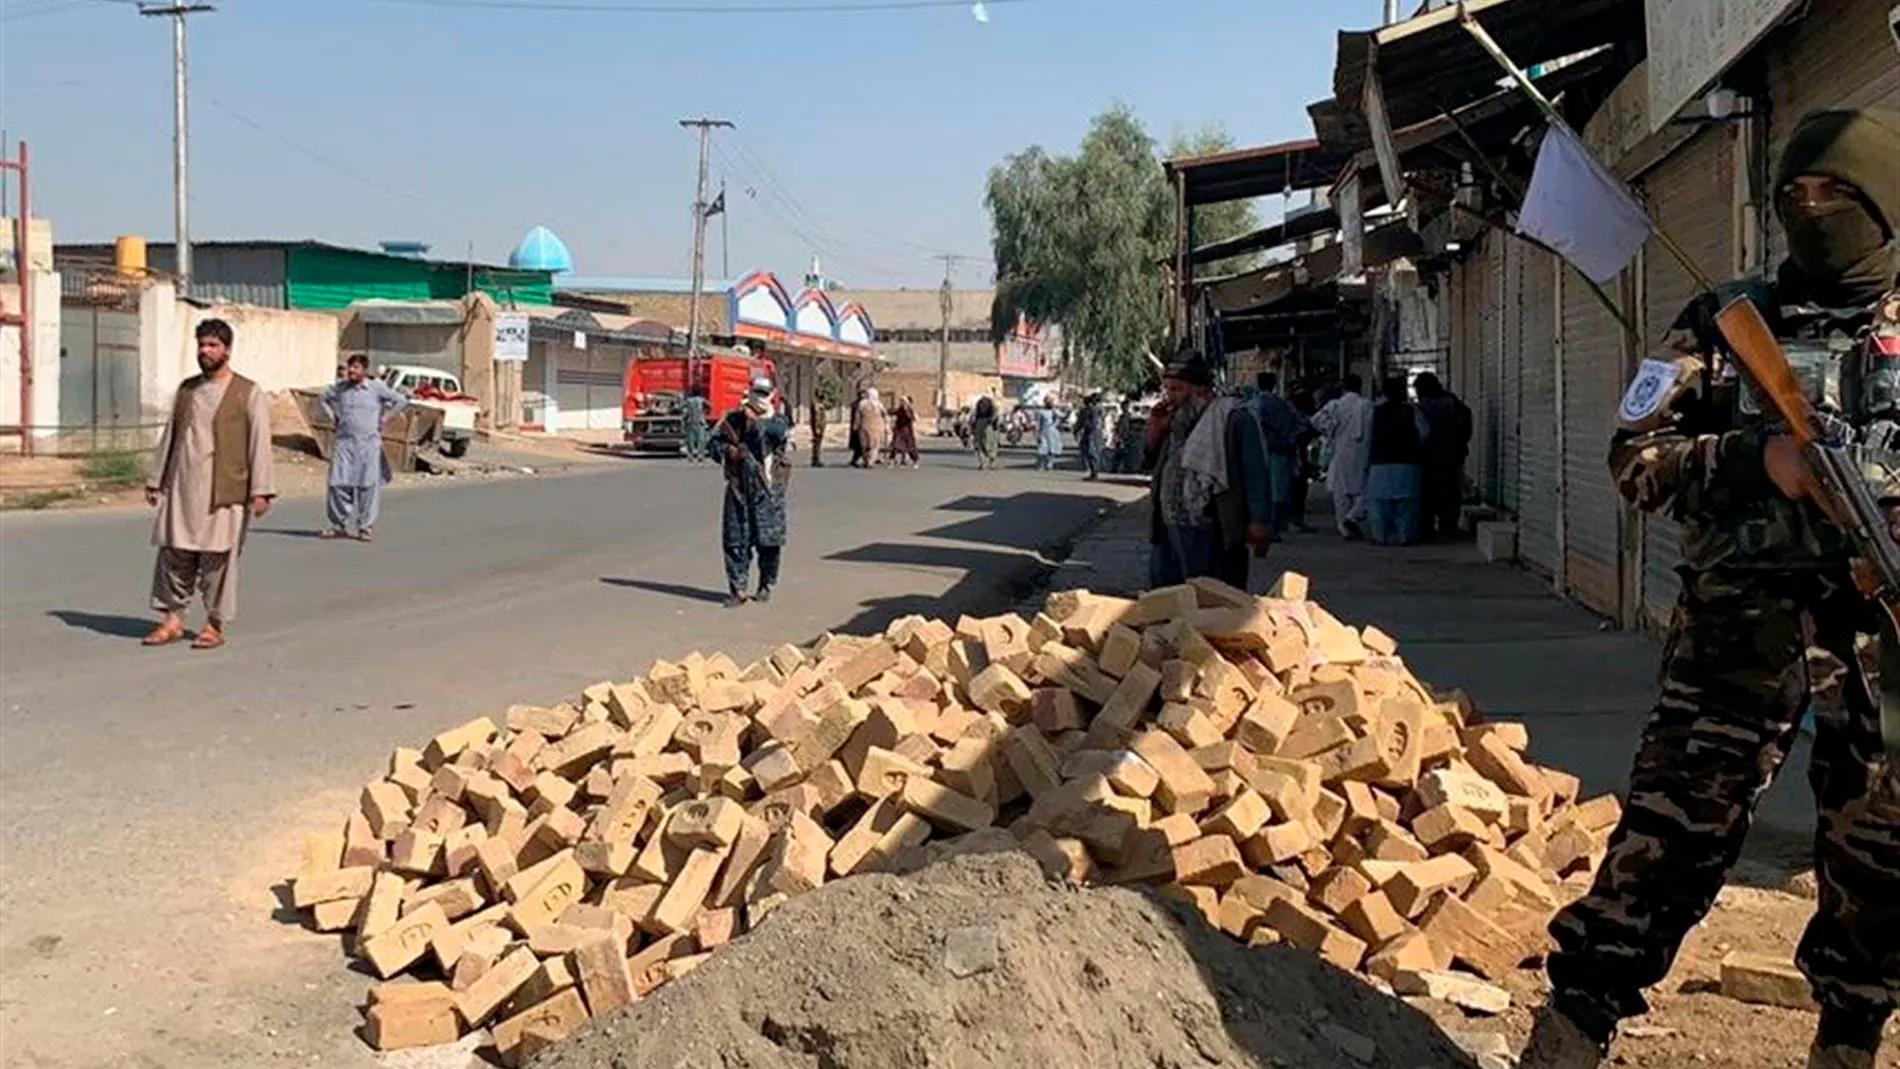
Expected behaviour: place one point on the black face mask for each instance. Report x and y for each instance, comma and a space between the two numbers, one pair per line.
1829, 241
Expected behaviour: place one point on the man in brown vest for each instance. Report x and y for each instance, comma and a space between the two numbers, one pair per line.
211, 474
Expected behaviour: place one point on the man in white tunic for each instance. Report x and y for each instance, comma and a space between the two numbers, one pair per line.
212, 472
1346, 422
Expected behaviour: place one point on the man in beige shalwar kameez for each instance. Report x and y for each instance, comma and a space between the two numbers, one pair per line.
211, 474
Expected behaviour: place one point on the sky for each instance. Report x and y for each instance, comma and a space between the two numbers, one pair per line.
864, 137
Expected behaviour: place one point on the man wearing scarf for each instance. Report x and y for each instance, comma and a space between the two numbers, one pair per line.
1767, 625
1211, 497
752, 440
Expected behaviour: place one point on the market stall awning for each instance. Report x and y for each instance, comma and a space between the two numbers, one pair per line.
1492, 126
1258, 290
1304, 225
1320, 313
1429, 64
1246, 173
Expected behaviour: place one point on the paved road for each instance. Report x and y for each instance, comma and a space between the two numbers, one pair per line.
152, 798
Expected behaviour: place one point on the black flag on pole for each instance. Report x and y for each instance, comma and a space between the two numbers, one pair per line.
718, 205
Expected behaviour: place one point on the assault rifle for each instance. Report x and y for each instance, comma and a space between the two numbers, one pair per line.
1844, 494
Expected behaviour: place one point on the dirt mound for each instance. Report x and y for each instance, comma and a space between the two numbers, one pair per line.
978, 962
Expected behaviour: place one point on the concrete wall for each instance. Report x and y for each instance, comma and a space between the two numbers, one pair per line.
921, 387
45, 356
275, 348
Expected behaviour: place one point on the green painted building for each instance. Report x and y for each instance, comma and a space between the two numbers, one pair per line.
317, 276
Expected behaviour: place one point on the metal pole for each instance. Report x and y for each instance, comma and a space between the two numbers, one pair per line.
181, 138
705, 127
945, 304
23, 261
725, 238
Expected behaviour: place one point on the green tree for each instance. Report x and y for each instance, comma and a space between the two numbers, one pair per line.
1079, 240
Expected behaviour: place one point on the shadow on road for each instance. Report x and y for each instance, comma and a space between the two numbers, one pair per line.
104, 623
288, 532
671, 590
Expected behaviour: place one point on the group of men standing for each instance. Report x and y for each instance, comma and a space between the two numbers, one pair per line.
1396, 468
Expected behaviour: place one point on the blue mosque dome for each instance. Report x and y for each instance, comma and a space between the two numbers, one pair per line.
541, 250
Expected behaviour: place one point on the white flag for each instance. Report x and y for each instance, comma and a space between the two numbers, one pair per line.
1580, 209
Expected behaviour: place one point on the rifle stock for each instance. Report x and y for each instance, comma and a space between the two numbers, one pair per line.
1754, 343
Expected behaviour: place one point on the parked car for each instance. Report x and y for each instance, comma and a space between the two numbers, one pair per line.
440, 390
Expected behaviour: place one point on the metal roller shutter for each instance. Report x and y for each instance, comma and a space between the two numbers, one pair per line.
1682, 193
1841, 55
1504, 397
1537, 413
1592, 380
1489, 431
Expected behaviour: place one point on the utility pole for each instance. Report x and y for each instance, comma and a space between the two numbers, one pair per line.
705, 127
1391, 11
945, 304
181, 137
725, 238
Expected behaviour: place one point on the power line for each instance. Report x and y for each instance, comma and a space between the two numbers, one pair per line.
305, 150
611, 8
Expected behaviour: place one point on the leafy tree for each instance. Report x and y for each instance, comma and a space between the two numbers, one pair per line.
1078, 241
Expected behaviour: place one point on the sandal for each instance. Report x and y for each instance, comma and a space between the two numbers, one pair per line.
367, 535
168, 631
209, 639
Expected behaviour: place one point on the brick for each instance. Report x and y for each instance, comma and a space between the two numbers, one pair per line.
458, 898
1266, 724
1524, 882
1481, 945
1502, 765
560, 885
496, 863
1184, 787
1599, 814
1307, 929
1055, 710
969, 768
572, 756
1372, 918
1237, 916
822, 740
885, 773
1062, 859
557, 939
416, 853
1064, 666
361, 846
1278, 844
998, 690
558, 1016
387, 808
1177, 679
651, 731
1399, 729
1211, 861
334, 885
446, 746
1189, 726
403, 943
713, 823
1388, 841
1033, 760
1240, 818
866, 664
862, 839
1461, 786
1466, 993
633, 898
1329, 815
1410, 952
1288, 798
381, 907
551, 723
601, 966
1339, 888
1447, 828
1417, 883
1121, 648
486, 995
401, 1026
1315, 736
1762, 980
715, 928
1124, 708
1205, 900
334, 915
774, 767
943, 806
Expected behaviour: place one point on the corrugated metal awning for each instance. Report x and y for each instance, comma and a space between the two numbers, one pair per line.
1430, 64
409, 313
1258, 290
1243, 174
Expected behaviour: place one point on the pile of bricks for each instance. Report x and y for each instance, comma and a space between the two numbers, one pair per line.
1282, 771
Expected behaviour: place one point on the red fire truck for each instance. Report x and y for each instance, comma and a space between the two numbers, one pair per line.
652, 413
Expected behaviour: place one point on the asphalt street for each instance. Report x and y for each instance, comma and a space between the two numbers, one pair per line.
152, 798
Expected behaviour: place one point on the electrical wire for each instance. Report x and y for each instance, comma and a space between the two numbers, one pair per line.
608, 7
311, 153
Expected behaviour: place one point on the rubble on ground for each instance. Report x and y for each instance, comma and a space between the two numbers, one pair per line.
1280, 772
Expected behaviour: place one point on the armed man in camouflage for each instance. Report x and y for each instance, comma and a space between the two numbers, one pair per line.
1767, 625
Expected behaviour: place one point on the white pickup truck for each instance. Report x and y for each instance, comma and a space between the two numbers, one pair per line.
440, 390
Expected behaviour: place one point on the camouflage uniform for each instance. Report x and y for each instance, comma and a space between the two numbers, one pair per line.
1768, 623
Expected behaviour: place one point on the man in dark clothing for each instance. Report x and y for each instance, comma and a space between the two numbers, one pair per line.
1444, 456
1285, 430
1304, 468
1210, 496
752, 440
1767, 625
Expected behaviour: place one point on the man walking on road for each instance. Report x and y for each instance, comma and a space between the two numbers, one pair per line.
211, 473
752, 439
1765, 627
1445, 452
358, 406
1286, 431
695, 415
1346, 421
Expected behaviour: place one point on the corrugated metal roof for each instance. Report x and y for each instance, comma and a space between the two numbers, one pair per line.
409, 313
